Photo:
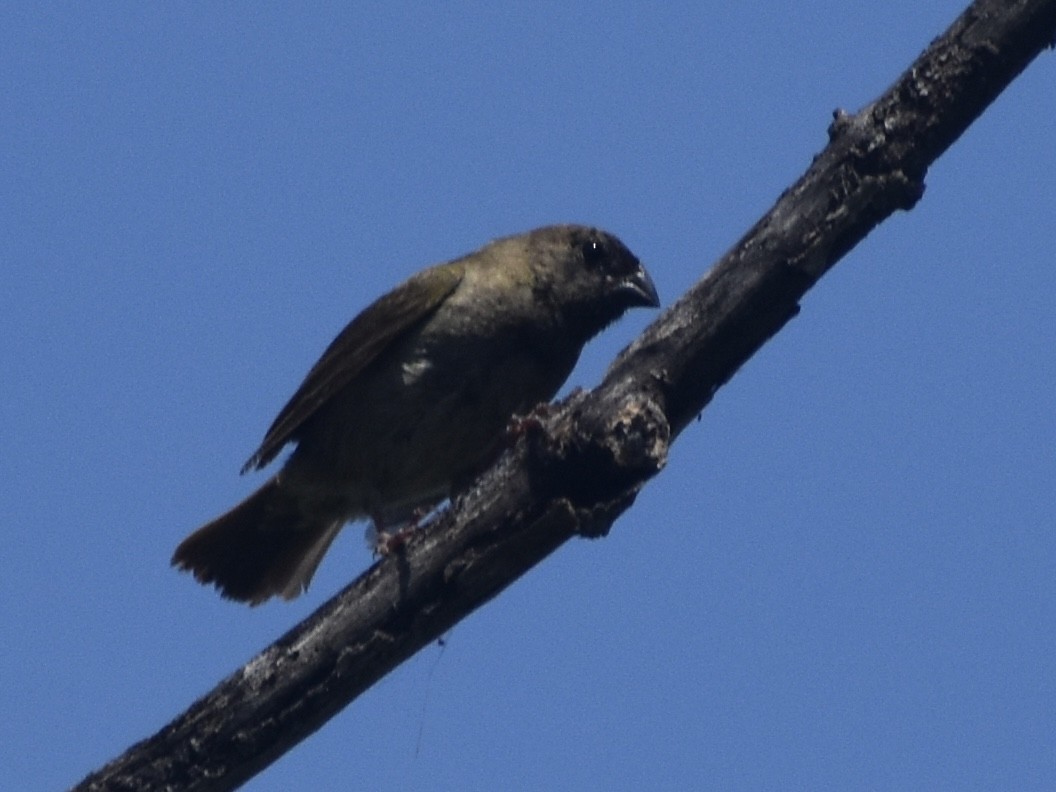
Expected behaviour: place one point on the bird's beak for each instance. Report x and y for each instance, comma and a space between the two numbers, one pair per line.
639, 289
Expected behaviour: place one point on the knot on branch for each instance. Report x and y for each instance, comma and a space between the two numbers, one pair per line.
596, 452
874, 145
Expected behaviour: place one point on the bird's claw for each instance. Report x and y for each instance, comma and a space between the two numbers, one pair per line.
522, 425
386, 543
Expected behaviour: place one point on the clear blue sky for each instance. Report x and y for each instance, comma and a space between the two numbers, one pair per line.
846, 577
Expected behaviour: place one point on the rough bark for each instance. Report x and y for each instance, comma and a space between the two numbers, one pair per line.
581, 463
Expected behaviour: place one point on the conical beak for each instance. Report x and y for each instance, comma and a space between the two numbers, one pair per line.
640, 289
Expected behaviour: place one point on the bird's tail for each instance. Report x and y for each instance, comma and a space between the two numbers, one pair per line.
268, 545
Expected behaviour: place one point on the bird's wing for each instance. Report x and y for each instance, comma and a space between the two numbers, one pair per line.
361, 342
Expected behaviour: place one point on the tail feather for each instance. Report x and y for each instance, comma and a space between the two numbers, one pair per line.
265, 546
302, 575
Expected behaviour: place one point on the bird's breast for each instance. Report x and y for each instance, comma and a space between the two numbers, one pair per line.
430, 414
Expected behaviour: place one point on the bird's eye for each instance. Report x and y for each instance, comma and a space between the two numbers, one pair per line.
593, 252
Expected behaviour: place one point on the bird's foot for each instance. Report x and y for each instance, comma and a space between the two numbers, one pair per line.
522, 425
385, 542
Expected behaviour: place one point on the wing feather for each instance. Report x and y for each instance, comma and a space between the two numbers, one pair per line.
362, 341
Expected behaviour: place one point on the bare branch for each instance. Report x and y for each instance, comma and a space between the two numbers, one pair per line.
582, 464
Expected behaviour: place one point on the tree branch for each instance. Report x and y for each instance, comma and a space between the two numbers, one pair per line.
582, 463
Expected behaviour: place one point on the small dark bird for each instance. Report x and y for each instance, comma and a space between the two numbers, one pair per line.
413, 398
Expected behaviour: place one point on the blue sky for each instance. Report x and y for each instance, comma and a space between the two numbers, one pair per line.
846, 576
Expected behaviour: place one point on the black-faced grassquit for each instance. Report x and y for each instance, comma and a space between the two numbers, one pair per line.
412, 398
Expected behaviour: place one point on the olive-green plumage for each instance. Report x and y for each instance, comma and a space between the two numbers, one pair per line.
412, 397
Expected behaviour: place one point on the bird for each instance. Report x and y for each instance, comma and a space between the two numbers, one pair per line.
413, 398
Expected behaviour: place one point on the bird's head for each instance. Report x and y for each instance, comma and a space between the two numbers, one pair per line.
589, 275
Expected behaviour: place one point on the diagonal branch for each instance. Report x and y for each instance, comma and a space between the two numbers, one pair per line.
581, 464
